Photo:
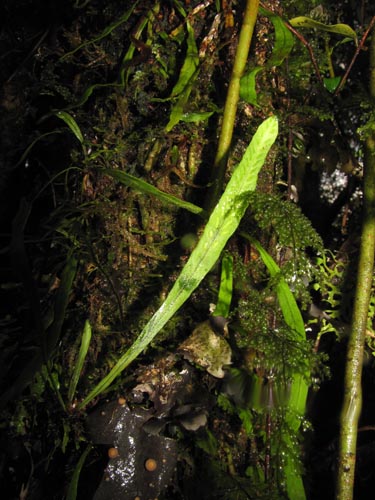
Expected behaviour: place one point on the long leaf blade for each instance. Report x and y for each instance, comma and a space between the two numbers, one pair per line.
288, 304
107, 31
85, 343
299, 386
73, 485
145, 187
222, 223
184, 85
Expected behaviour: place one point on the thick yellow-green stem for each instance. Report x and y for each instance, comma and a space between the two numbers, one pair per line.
353, 391
230, 109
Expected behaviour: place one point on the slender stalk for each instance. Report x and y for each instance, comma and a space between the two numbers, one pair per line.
230, 109
353, 391
356, 54
309, 48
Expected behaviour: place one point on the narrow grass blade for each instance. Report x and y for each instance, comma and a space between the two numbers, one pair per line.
85, 343
73, 485
51, 336
299, 386
184, 85
26, 153
145, 187
72, 124
292, 314
61, 303
107, 31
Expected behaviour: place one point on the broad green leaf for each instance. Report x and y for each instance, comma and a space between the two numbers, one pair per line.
222, 223
72, 124
331, 84
293, 476
196, 117
284, 40
85, 343
145, 187
338, 29
247, 86
283, 43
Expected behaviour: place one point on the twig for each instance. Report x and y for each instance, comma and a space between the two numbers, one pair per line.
309, 48
358, 50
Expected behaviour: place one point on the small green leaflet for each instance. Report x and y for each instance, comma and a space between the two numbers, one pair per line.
338, 29
196, 117
222, 223
72, 124
184, 85
331, 84
248, 86
284, 41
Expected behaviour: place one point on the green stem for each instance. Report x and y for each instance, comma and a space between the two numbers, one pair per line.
329, 58
230, 109
353, 391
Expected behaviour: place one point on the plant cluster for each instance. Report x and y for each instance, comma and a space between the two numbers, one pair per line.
137, 165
